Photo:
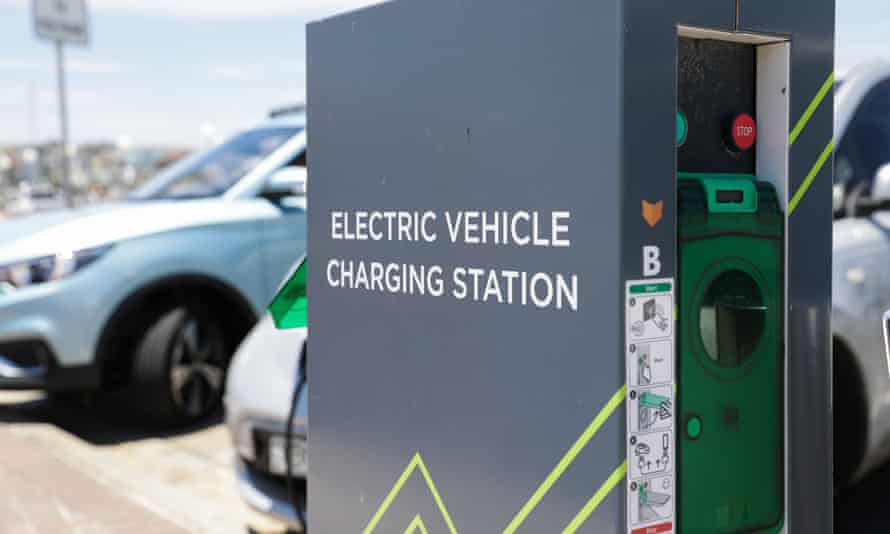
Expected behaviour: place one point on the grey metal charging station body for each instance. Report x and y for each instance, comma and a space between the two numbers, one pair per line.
532, 105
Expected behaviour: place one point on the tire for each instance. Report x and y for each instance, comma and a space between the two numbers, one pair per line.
179, 367
67, 398
850, 408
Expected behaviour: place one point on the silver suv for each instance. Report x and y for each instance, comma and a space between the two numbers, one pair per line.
155, 293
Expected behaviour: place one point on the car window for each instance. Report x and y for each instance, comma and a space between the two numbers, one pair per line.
866, 145
213, 172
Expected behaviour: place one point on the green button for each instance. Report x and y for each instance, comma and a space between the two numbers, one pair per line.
682, 128
693, 427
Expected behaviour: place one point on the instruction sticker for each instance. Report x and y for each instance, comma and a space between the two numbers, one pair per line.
649, 352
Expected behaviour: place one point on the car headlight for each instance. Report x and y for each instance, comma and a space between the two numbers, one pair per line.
46, 268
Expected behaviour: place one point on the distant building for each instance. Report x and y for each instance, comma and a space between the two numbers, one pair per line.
99, 170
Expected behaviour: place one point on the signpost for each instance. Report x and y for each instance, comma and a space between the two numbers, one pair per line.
62, 21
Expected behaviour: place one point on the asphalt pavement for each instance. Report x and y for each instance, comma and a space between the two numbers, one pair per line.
73, 468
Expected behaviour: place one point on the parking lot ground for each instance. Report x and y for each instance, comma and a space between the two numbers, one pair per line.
81, 469
73, 502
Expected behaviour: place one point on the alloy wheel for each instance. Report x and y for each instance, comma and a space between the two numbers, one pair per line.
197, 366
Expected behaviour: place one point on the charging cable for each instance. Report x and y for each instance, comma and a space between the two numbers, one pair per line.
288, 436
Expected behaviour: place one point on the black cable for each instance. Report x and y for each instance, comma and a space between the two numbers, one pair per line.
288, 435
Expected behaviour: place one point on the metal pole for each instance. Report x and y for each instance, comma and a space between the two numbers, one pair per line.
32, 113
63, 116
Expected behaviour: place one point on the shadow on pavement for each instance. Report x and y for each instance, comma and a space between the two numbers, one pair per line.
100, 421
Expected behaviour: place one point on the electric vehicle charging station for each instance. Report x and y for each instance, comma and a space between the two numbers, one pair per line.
571, 267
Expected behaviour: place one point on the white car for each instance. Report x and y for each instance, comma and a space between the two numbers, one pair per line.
262, 380
155, 293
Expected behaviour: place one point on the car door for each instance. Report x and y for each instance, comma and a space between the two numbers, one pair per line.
284, 237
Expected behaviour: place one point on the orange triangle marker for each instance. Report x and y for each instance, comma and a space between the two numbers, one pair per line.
652, 212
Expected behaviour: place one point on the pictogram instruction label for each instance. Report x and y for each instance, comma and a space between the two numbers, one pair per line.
651, 458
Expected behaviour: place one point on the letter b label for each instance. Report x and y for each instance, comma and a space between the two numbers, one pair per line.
651, 261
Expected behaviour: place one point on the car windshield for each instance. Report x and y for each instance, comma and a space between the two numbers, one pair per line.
211, 173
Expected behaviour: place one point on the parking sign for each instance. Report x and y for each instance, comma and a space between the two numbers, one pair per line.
61, 20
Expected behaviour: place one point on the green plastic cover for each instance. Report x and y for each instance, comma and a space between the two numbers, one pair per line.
730, 365
288, 308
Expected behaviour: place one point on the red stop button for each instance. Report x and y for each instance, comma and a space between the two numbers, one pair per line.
744, 131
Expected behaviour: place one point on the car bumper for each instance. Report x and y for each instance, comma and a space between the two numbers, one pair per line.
268, 495
59, 324
261, 381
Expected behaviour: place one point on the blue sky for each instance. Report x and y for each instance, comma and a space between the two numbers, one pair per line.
157, 71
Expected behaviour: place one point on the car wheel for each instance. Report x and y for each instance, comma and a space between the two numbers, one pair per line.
850, 416
68, 399
180, 366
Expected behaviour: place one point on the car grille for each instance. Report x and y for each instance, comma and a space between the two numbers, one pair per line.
262, 453
275, 484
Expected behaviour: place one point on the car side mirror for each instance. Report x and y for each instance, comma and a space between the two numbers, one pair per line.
838, 194
885, 327
880, 189
285, 184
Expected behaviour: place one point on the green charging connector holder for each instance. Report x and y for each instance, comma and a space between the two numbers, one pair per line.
730, 394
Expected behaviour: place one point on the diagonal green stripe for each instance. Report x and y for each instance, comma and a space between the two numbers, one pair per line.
397, 487
436, 496
567, 459
416, 526
416, 463
808, 181
614, 479
808, 113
